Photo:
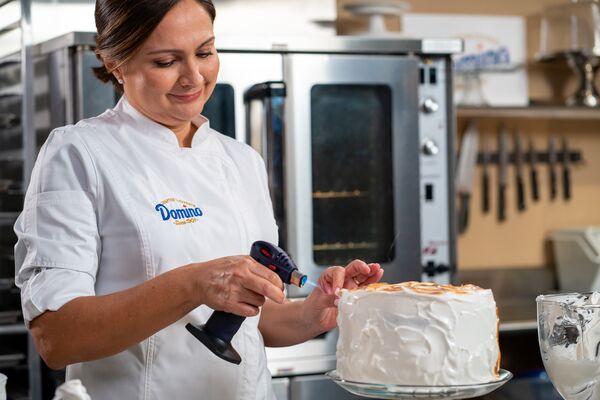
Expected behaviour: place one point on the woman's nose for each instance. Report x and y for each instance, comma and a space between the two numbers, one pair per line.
191, 75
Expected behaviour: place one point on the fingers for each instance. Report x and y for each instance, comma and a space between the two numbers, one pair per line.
265, 273
332, 280
251, 298
376, 277
369, 273
357, 273
374, 270
246, 303
245, 310
264, 282
357, 267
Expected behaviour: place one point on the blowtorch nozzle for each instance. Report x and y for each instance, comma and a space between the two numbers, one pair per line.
298, 278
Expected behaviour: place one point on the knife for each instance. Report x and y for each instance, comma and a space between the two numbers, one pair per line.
535, 193
466, 166
485, 177
566, 171
519, 172
502, 167
551, 166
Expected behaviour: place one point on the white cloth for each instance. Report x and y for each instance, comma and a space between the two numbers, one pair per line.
95, 222
71, 390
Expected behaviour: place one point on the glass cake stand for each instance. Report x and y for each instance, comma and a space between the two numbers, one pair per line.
386, 391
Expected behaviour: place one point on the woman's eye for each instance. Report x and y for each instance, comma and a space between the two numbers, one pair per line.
164, 64
204, 55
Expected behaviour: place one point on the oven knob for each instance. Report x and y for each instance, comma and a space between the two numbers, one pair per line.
430, 106
430, 147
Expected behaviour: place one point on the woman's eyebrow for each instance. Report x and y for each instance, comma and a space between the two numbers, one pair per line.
179, 51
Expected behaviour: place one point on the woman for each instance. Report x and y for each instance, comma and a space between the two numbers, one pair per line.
135, 223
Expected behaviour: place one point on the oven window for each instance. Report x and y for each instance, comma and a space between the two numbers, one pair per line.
352, 188
219, 109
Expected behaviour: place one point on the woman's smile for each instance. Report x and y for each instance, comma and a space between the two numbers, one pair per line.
186, 98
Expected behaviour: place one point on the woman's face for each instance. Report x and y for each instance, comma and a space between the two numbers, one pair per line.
173, 73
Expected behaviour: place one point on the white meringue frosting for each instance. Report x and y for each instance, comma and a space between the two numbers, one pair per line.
417, 333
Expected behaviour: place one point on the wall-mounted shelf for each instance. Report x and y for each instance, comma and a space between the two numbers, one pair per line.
531, 112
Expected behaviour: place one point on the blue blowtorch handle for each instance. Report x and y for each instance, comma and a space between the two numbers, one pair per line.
225, 325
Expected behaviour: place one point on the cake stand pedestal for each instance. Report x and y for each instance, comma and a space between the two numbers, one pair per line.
384, 391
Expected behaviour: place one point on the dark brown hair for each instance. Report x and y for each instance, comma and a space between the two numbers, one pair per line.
123, 25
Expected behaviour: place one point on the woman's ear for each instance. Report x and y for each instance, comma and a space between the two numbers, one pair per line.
111, 66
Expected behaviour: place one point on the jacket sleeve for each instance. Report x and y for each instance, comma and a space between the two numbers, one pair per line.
58, 247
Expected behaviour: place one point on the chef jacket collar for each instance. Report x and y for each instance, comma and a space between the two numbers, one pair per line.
156, 131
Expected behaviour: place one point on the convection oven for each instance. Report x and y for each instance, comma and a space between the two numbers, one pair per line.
357, 135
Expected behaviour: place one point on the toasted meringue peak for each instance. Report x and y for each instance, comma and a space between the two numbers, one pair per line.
419, 287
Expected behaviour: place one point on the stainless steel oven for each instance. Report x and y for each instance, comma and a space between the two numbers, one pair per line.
357, 135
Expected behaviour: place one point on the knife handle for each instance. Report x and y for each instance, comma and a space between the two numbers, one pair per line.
520, 193
485, 195
463, 213
552, 183
535, 193
567, 183
502, 203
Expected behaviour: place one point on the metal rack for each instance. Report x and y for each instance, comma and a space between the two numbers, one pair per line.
26, 155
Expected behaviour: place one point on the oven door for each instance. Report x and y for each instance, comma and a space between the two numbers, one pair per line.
352, 158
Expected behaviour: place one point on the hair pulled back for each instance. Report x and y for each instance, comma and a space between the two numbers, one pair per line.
123, 25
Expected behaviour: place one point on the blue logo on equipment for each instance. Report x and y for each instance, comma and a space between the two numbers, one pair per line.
181, 212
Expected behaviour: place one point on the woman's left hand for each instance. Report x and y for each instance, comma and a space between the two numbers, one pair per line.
320, 307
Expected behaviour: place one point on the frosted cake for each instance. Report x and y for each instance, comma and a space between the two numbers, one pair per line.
416, 333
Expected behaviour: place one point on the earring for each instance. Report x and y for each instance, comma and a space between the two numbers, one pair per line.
120, 81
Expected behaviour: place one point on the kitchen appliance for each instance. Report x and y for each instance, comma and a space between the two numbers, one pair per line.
11, 189
221, 326
577, 257
357, 135
572, 31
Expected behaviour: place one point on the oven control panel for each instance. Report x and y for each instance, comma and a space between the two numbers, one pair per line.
435, 132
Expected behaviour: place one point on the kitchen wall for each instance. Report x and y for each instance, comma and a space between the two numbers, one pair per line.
257, 17
522, 240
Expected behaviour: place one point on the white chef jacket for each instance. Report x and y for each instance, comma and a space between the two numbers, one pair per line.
114, 201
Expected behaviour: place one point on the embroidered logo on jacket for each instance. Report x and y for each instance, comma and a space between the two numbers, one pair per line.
181, 212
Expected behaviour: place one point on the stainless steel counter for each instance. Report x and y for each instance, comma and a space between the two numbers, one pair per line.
515, 291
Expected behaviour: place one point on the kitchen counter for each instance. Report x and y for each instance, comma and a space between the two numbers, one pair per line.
534, 386
515, 291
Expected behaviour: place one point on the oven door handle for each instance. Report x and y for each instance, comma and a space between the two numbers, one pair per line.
265, 132
261, 102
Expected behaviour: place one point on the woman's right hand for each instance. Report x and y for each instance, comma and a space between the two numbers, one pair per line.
237, 284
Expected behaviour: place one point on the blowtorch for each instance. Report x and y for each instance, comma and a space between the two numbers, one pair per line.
217, 332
